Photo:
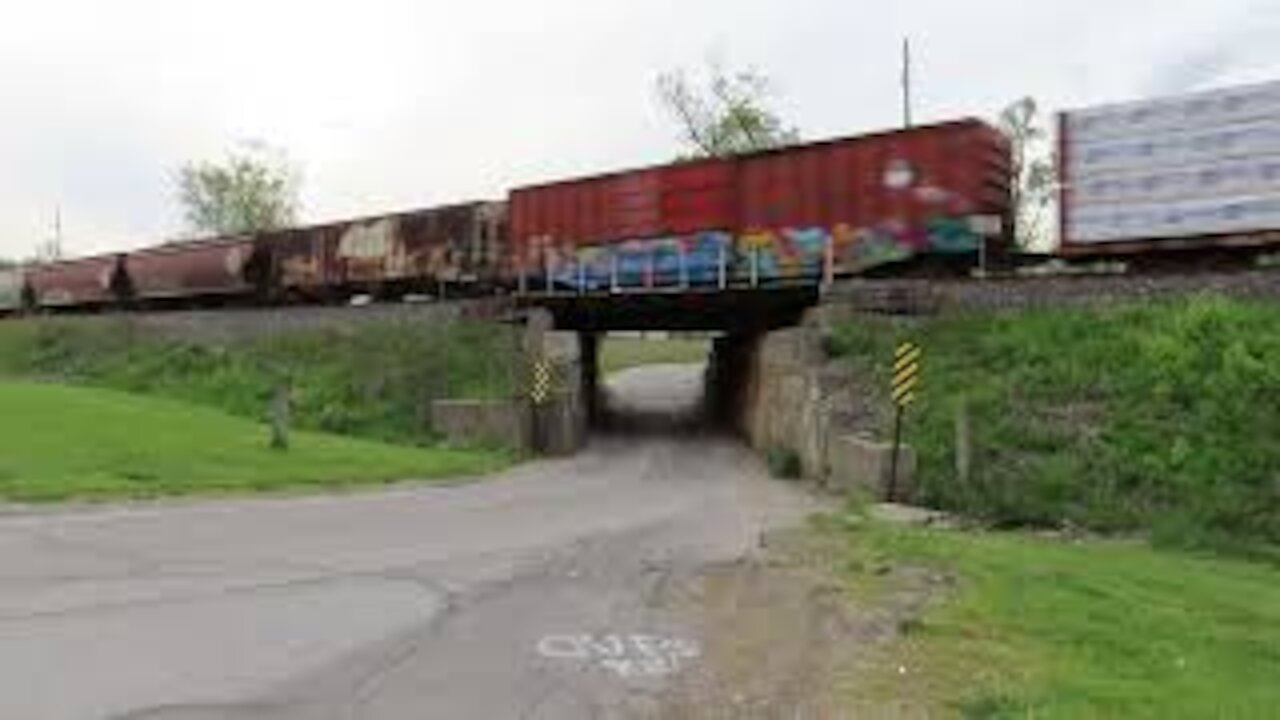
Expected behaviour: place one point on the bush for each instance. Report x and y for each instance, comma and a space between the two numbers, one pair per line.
1160, 416
784, 463
374, 381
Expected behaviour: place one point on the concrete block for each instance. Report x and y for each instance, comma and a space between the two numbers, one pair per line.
494, 423
562, 347
794, 347
860, 464
823, 317
559, 425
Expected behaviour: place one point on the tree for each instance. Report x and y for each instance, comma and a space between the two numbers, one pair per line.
254, 188
729, 115
1034, 174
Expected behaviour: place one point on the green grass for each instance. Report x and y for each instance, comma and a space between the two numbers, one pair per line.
375, 381
59, 442
1043, 628
620, 353
1160, 416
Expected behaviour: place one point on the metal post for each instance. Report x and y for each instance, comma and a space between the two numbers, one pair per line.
546, 270
280, 416
964, 445
755, 266
723, 274
523, 283
892, 491
829, 262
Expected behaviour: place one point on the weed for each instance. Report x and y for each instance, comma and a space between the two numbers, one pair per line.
784, 463
375, 381
1157, 416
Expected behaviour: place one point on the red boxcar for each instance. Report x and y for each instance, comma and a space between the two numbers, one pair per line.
853, 203
188, 270
84, 282
675, 199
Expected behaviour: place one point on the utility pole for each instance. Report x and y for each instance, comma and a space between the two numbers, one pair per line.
51, 248
906, 82
56, 250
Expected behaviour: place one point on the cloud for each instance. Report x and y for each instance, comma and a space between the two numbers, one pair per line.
390, 104
1235, 48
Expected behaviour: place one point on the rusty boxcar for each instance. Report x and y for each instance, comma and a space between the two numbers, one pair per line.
406, 252
12, 284
94, 281
193, 271
840, 207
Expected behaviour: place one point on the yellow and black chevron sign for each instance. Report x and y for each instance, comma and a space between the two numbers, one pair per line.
540, 383
906, 373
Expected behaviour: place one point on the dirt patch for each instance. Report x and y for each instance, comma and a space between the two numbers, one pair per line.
783, 636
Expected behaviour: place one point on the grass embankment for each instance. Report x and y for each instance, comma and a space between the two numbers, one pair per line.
59, 442
619, 353
1043, 628
1161, 417
375, 381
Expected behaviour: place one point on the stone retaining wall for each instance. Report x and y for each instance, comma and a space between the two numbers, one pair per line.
485, 423
782, 392
561, 421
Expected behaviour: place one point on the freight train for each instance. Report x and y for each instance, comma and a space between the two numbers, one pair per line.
1138, 180
459, 245
794, 215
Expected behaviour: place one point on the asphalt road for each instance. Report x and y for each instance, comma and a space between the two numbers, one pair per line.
542, 593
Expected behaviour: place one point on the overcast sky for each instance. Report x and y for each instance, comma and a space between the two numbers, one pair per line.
391, 104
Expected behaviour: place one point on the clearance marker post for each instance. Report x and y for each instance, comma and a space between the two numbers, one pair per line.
540, 385
539, 393
906, 376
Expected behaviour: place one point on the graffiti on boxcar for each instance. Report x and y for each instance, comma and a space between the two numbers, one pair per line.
691, 259
766, 254
441, 261
368, 240
785, 253
371, 251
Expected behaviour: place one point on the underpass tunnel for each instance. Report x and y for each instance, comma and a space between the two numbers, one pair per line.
650, 382
655, 364
664, 383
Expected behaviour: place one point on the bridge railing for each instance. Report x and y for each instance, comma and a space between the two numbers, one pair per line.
675, 266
